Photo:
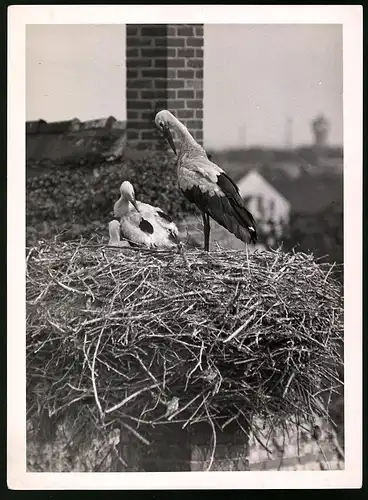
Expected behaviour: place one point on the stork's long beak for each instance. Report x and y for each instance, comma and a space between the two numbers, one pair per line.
134, 203
169, 138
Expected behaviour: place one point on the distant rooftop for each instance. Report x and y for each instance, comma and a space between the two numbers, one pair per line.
73, 138
308, 187
74, 124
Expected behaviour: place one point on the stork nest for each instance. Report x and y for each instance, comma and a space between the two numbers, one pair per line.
148, 337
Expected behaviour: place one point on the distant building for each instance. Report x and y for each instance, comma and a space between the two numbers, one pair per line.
320, 128
33, 127
59, 127
273, 193
119, 124
59, 141
309, 193
268, 206
100, 123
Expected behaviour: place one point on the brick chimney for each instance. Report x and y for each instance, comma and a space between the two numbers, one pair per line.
164, 71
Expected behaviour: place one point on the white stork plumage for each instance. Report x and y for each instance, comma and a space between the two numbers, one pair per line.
144, 224
206, 185
114, 234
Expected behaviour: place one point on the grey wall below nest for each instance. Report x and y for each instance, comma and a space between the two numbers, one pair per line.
174, 449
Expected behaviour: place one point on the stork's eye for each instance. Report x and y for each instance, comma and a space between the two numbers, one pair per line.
161, 124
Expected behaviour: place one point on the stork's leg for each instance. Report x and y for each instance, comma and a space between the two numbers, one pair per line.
206, 231
204, 216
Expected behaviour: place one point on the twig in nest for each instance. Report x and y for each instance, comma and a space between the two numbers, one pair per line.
329, 272
136, 434
199, 363
93, 374
197, 410
214, 439
132, 396
69, 403
239, 330
246, 251
288, 384
231, 419
117, 455
68, 288
324, 456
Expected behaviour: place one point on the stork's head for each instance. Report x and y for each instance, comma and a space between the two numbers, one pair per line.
162, 121
127, 193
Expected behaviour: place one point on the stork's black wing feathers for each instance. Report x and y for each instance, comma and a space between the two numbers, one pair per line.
228, 210
243, 216
221, 209
227, 206
227, 185
164, 216
172, 234
146, 226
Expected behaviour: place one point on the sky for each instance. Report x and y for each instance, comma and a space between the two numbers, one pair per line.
263, 84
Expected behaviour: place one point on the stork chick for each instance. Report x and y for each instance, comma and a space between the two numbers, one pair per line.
144, 224
205, 184
114, 233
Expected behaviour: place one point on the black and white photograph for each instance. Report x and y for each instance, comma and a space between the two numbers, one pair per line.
187, 189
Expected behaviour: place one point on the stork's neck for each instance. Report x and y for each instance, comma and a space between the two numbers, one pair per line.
122, 207
187, 143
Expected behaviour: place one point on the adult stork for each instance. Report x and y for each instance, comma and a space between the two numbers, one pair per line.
144, 224
205, 184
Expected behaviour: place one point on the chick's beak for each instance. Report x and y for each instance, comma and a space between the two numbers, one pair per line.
169, 138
